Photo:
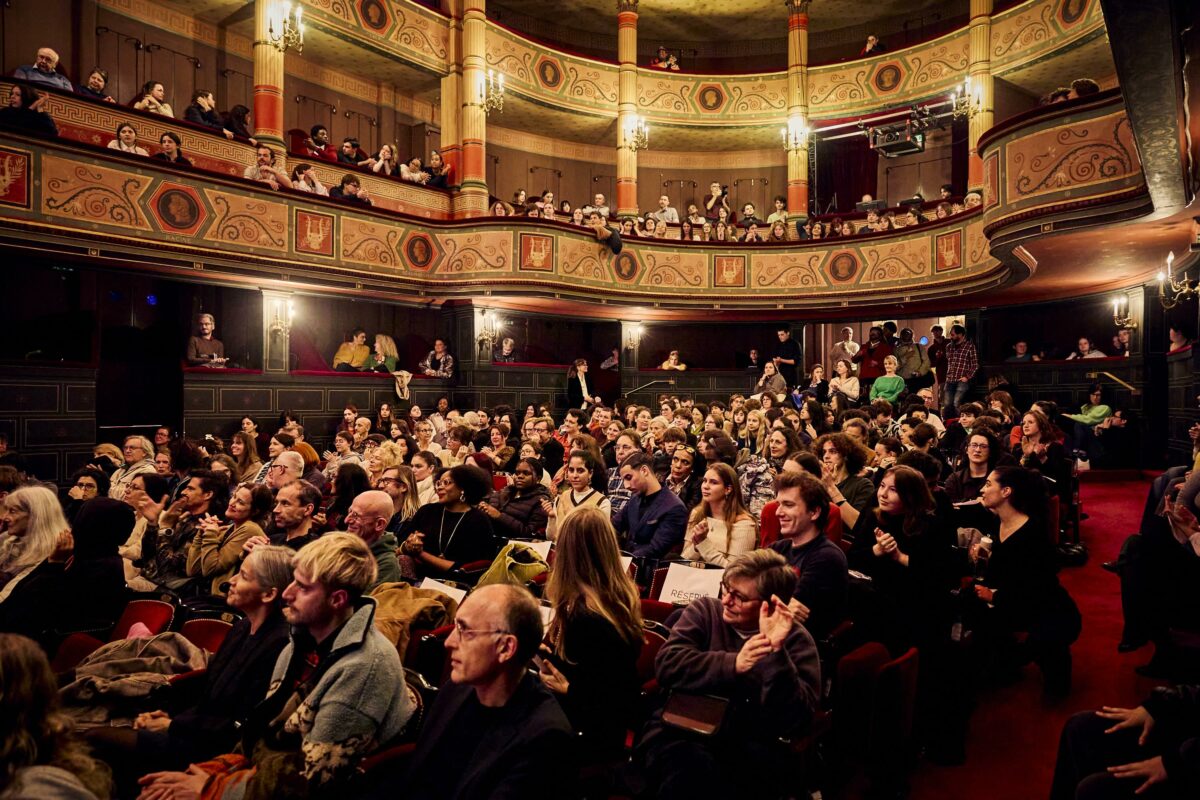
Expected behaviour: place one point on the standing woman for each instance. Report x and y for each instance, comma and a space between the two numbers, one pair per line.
889, 386
844, 383
216, 550
452, 531
720, 527
579, 394
596, 633
42, 755
245, 452
1020, 582
582, 469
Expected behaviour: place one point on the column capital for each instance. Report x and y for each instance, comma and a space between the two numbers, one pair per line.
627, 5
797, 6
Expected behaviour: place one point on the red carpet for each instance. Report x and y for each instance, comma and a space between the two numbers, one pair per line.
1013, 737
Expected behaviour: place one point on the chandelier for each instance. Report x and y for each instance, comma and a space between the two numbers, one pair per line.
493, 92
965, 100
795, 135
637, 134
285, 28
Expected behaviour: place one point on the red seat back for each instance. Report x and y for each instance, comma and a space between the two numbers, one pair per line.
896, 700
207, 634
154, 614
652, 642
656, 583
656, 610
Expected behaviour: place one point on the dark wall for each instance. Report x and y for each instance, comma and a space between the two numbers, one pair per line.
1052, 329
704, 345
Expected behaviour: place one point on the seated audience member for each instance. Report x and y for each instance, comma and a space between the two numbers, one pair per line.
665, 213
216, 549
1039, 448
458, 446
1085, 350
237, 120
292, 519
604, 234
337, 691
517, 510
44, 71
43, 757
452, 531
888, 386
172, 150
1082, 87
673, 362
351, 481
595, 634
412, 171
1148, 751
844, 382
438, 363
350, 191
126, 140
873, 47
165, 551
653, 521
440, 173
1018, 586
626, 443
1081, 437
353, 355
908, 556
23, 115
803, 511
1021, 353
665, 60
86, 484
582, 469
304, 179
351, 153
400, 485
96, 86
771, 383
720, 528
683, 476
842, 461
368, 519
235, 681
972, 200
203, 111
386, 356
243, 449
495, 730
139, 460
265, 171
749, 649
983, 452
507, 352
317, 145
153, 98
203, 349
598, 205
55, 577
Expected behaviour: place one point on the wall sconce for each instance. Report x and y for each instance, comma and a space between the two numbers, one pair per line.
1195, 245
965, 100
637, 134
1121, 316
633, 338
283, 324
1171, 291
285, 28
493, 92
795, 135
491, 333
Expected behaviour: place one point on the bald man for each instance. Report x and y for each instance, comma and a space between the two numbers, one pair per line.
368, 519
44, 71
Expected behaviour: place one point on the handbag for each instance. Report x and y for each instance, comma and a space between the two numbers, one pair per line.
517, 563
699, 714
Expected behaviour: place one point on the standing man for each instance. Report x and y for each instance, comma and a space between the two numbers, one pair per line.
937, 361
845, 350
961, 365
665, 213
495, 730
787, 355
204, 350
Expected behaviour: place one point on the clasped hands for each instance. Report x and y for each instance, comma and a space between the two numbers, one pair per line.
775, 621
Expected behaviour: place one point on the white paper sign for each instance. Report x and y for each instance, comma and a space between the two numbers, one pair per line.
626, 561
455, 594
684, 584
541, 548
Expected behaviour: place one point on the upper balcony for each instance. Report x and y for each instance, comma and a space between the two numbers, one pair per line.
75, 197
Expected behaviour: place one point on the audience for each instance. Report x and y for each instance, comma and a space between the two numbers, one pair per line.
153, 98
23, 115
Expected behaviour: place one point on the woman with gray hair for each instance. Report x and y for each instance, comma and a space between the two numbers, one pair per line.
234, 683
31, 527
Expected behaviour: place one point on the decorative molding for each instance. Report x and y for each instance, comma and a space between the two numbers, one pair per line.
649, 159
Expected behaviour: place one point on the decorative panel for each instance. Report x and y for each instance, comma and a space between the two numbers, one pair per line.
300, 399
245, 399
60, 431
30, 397
201, 398
81, 399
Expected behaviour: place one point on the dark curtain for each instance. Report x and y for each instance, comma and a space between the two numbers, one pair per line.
959, 157
847, 168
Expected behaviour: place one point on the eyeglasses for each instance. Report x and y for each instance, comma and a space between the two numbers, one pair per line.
88, 486
977, 446
735, 595
385, 481
467, 633
277, 468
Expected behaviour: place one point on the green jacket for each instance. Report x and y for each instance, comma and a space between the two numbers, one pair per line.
384, 551
1091, 415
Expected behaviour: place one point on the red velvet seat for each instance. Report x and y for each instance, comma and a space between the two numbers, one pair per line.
656, 610
154, 614
207, 634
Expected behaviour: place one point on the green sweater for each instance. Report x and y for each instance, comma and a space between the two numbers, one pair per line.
384, 551
887, 387
1092, 415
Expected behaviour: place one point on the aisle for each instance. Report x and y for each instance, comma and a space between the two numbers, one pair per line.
1014, 735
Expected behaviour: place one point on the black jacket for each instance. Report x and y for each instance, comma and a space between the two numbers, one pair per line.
526, 752
1177, 708
198, 116
521, 517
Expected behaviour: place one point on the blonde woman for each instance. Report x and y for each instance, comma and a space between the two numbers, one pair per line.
386, 356
890, 385
410, 500
385, 161
754, 441
720, 527
384, 456
595, 636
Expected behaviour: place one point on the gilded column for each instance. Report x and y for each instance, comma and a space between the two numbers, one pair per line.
979, 69
451, 98
268, 81
472, 199
627, 17
797, 113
